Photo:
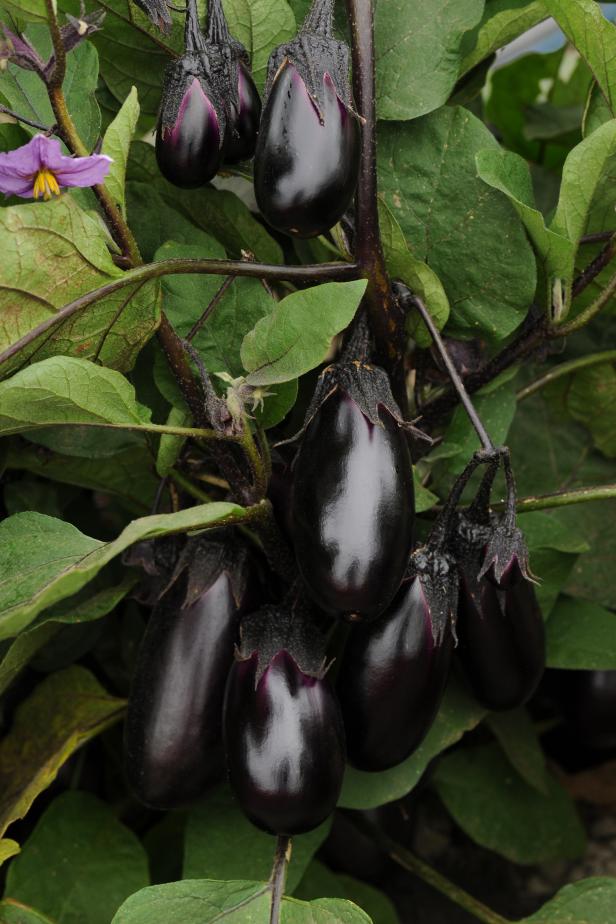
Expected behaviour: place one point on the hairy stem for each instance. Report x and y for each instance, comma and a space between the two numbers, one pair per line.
582, 362
279, 877
563, 330
57, 77
48, 129
565, 498
386, 316
595, 267
453, 374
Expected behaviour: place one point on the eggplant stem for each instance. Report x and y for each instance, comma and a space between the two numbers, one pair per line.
279, 876
453, 374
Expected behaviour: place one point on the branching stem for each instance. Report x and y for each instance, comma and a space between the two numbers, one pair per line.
557, 372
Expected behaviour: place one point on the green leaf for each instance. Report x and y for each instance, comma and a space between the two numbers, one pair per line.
589, 901
469, 236
219, 212
459, 713
417, 275
91, 862
296, 336
65, 391
65, 710
320, 881
127, 475
170, 446
185, 298
260, 25
418, 53
591, 399
25, 92
61, 560
496, 408
501, 23
517, 737
593, 35
53, 253
12, 912
581, 635
209, 851
8, 849
205, 901
86, 606
597, 111
508, 172
424, 499
116, 144
498, 810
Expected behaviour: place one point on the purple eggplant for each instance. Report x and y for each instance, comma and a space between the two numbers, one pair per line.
392, 679
352, 507
243, 119
502, 639
306, 165
173, 732
284, 739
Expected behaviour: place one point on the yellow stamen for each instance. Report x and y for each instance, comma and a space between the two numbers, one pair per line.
45, 185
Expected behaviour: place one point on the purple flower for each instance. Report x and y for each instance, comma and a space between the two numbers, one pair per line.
39, 169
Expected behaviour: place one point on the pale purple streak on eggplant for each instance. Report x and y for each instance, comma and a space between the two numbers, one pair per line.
196, 112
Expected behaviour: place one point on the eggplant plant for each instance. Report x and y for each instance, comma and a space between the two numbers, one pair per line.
306, 462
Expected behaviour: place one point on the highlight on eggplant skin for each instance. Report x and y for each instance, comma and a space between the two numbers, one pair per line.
243, 121
502, 639
173, 731
352, 508
188, 149
391, 681
306, 164
284, 742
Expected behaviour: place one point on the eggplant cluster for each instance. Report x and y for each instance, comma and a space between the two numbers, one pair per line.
307, 141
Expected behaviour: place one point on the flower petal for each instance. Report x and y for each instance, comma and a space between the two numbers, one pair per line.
49, 152
13, 185
24, 161
83, 171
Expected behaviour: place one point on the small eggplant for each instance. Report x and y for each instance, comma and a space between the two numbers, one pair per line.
307, 160
243, 119
190, 127
392, 680
352, 503
284, 738
502, 640
173, 732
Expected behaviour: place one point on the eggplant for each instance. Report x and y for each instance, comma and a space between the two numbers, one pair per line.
284, 741
188, 141
352, 507
243, 120
502, 638
173, 732
392, 680
306, 163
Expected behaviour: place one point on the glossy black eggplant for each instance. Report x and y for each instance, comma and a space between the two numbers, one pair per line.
307, 163
173, 732
284, 742
392, 679
189, 132
243, 119
352, 508
502, 640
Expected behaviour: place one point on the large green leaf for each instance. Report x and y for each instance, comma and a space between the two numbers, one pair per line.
88, 605
502, 21
591, 399
209, 851
205, 901
12, 912
458, 714
494, 805
260, 25
116, 144
518, 738
52, 253
581, 635
589, 901
418, 53
64, 711
295, 337
417, 275
25, 92
61, 560
319, 881
593, 35
429, 179
91, 862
